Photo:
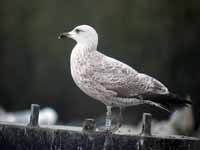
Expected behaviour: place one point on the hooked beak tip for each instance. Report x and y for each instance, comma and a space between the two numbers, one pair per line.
59, 37
63, 35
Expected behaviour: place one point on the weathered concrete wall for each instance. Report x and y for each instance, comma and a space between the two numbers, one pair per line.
35, 137
22, 137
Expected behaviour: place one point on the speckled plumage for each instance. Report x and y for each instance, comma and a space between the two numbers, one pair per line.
107, 79
112, 82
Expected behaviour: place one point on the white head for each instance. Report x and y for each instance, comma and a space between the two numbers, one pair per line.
84, 35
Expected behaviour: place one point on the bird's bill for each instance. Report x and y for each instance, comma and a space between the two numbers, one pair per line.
64, 35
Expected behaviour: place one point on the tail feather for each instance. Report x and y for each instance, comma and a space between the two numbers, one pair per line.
169, 101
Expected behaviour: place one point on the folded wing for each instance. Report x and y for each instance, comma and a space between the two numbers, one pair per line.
124, 80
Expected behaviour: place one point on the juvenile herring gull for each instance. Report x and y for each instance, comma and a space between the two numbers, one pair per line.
112, 82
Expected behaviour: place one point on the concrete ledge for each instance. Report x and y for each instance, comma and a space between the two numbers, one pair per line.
22, 137
35, 137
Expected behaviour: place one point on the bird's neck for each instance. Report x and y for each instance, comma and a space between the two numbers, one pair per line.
87, 47
82, 51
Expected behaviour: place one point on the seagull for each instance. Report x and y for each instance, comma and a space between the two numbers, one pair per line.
111, 81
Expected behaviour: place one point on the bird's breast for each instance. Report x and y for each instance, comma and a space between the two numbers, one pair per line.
80, 67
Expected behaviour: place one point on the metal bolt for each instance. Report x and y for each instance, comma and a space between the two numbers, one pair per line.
89, 125
35, 109
146, 124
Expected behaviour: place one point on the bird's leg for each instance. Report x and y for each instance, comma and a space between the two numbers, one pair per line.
108, 118
120, 118
108, 123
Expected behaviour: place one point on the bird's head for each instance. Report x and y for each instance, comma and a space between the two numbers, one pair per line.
82, 34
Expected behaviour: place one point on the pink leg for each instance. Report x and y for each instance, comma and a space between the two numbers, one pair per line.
120, 118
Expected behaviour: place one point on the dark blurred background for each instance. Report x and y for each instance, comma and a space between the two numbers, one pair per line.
160, 38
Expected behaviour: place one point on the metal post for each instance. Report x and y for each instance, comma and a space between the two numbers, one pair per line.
146, 124
89, 125
35, 109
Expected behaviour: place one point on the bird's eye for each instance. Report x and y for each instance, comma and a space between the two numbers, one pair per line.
78, 30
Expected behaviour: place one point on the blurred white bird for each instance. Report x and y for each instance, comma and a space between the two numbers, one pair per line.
180, 123
48, 116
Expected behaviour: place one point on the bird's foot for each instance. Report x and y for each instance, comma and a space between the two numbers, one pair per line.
110, 129
106, 130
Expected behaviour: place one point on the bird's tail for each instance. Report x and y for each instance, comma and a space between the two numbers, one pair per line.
169, 101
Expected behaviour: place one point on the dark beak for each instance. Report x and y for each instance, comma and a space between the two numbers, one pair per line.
63, 35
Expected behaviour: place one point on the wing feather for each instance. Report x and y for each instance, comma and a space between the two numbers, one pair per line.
124, 80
